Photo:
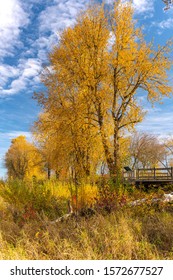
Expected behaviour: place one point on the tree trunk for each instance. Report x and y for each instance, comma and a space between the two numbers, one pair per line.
57, 173
116, 154
48, 172
107, 153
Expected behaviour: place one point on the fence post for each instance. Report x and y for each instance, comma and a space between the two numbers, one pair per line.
154, 173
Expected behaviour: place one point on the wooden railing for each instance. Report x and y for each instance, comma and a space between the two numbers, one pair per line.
150, 174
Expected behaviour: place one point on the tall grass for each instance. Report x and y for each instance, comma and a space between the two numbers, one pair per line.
142, 232
115, 236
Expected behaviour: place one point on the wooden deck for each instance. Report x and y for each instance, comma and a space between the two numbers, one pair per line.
151, 176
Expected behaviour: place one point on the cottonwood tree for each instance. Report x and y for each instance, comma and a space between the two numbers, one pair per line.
96, 71
22, 159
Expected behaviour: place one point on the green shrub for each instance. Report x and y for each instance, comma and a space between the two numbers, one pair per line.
29, 198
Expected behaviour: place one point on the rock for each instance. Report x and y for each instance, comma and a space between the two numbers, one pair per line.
168, 197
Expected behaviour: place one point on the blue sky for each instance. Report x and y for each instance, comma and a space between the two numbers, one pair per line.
28, 31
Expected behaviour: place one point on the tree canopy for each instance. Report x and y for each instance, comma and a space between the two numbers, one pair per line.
22, 159
97, 72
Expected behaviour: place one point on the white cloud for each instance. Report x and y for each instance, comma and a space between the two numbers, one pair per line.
27, 73
55, 18
44, 44
12, 18
142, 6
160, 122
7, 72
166, 24
32, 68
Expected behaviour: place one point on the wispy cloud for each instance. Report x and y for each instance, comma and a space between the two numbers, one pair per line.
166, 24
7, 72
52, 18
12, 19
26, 73
143, 6
157, 122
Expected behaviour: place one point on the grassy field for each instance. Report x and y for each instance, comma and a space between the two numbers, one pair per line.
119, 232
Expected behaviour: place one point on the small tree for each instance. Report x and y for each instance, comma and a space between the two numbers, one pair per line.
22, 159
146, 151
167, 160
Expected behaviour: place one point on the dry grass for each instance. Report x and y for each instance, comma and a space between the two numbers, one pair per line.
142, 232
115, 236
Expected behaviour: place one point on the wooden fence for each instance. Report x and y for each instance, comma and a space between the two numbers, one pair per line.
150, 175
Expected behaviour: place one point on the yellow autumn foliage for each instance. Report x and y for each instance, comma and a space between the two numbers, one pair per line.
22, 159
96, 75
